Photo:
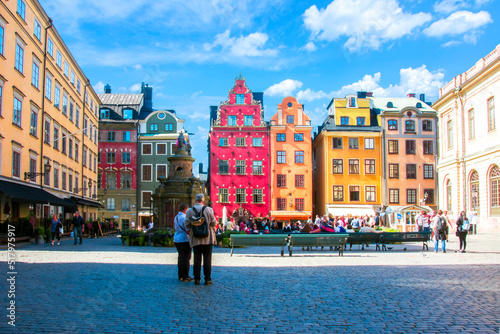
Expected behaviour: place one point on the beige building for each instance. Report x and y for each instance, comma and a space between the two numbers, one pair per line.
469, 149
48, 117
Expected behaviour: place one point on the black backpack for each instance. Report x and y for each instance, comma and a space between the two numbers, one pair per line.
199, 226
441, 226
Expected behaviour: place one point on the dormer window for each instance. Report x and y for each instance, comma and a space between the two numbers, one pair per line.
127, 113
390, 104
153, 127
410, 126
351, 102
419, 105
240, 98
104, 113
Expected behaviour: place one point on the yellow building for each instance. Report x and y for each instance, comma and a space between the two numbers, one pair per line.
291, 163
347, 173
48, 117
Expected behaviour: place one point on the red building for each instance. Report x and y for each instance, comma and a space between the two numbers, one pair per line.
239, 161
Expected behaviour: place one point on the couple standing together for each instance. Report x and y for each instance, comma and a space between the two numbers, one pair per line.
185, 240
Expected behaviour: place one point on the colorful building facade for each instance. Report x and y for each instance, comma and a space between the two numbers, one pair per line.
48, 119
469, 154
239, 156
347, 159
291, 163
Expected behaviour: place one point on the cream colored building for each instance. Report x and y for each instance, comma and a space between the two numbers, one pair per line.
48, 116
469, 145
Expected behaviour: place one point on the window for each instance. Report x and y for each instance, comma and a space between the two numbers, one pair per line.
354, 193
111, 157
369, 143
110, 204
125, 157
169, 127
104, 113
71, 109
70, 148
1, 97
147, 173
231, 120
160, 148
37, 31
394, 171
240, 167
299, 137
35, 74
76, 150
360, 121
280, 137
57, 96
77, 117
48, 87
58, 59
281, 157
63, 180
256, 167
240, 141
371, 193
46, 178
223, 195
46, 133
411, 147
147, 149
21, 9
353, 166
393, 146
70, 183
161, 171
411, 171
394, 196
299, 204
299, 181
392, 124
240, 195
56, 177
257, 196
19, 62
146, 199
65, 104
63, 141
72, 77
281, 204
126, 180
84, 156
56, 137
223, 167
338, 166
426, 125
410, 126
111, 135
344, 120
338, 193
2, 34
495, 188
127, 113
125, 204
369, 166
17, 112
50, 47
223, 142
78, 85
66, 69
299, 157
428, 147
257, 142
240, 98
248, 120
449, 138
126, 136
153, 127
430, 196
411, 196
85, 126
353, 143
352, 102
337, 143
281, 180
472, 126
491, 114
16, 164
34, 123
33, 169
289, 119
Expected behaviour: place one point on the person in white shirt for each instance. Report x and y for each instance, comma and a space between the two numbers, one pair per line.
181, 242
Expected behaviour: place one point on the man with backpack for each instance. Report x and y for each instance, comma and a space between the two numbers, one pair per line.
201, 221
440, 227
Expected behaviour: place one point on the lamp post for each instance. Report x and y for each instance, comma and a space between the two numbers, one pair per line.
151, 209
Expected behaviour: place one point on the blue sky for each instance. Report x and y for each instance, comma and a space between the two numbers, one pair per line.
191, 51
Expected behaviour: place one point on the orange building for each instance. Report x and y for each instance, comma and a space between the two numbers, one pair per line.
291, 163
347, 159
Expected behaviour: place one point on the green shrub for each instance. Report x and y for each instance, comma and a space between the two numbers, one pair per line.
163, 238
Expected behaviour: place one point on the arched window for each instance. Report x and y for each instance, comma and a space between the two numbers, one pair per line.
495, 190
474, 191
419, 105
448, 196
390, 104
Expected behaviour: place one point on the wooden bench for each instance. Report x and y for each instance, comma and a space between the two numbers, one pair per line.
280, 240
318, 239
381, 239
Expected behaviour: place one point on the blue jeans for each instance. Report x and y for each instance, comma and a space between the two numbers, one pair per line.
77, 231
443, 245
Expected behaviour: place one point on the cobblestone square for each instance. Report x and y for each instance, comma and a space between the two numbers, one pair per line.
104, 287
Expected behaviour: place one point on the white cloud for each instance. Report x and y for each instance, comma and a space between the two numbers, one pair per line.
366, 24
284, 88
99, 87
309, 47
249, 46
450, 44
449, 6
458, 23
310, 95
135, 88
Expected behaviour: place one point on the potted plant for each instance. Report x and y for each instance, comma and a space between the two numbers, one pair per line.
39, 234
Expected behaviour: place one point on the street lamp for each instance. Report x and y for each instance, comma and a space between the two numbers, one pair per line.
46, 170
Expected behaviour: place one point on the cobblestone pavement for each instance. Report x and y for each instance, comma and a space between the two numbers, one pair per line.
104, 287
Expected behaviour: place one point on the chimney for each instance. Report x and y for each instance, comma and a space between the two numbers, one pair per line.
148, 96
411, 95
200, 168
107, 89
361, 95
369, 94
422, 97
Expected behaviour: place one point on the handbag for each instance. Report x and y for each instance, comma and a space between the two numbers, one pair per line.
61, 231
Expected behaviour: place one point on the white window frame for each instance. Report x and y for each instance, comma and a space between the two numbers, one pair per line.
142, 173
156, 170
142, 148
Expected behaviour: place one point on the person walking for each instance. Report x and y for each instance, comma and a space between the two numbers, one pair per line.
78, 223
463, 226
202, 246
440, 231
55, 226
181, 241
